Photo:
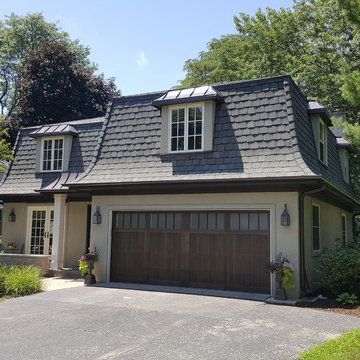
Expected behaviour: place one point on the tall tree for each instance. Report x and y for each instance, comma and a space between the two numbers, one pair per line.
311, 41
18, 35
56, 87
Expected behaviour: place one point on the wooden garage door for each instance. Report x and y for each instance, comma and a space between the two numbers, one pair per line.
221, 250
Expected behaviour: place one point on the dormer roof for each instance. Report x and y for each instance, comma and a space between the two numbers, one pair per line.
53, 130
188, 95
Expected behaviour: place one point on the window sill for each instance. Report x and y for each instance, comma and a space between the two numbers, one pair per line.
316, 253
185, 152
49, 172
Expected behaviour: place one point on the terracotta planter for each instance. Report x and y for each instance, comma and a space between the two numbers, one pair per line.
280, 293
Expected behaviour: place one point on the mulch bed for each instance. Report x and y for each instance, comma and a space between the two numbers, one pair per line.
332, 306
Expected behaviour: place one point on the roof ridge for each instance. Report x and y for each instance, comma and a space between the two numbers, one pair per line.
124, 97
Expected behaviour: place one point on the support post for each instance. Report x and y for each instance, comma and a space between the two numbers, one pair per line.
57, 256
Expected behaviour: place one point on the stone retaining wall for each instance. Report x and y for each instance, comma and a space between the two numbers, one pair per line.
41, 261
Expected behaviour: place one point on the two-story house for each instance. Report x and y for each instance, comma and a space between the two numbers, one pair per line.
197, 187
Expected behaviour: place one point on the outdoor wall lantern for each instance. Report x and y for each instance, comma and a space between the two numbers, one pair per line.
97, 216
285, 217
12, 216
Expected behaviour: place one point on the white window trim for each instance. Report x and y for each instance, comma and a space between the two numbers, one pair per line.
186, 125
343, 216
53, 138
30, 210
317, 251
325, 161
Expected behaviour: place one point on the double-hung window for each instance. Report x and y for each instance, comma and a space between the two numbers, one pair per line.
322, 142
52, 152
316, 229
186, 128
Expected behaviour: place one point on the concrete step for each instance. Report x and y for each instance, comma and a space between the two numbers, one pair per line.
67, 273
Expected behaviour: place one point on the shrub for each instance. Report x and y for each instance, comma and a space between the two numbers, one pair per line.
3, 272
339, 269
19, 280
347, 299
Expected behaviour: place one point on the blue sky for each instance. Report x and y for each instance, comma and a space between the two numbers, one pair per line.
143, 44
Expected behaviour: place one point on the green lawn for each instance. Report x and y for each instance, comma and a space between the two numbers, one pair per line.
345, 347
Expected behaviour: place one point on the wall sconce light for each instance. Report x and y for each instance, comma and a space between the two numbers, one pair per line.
97, 216
285, 217
12, 216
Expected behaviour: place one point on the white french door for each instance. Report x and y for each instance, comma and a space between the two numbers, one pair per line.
40, 230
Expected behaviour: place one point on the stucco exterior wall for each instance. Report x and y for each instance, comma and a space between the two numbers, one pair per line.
283, 239
330, 234
75, 234
14, 231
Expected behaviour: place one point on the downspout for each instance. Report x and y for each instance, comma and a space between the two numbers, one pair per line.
304, 287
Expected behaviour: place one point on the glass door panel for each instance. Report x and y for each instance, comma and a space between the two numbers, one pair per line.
41, 232
37, 232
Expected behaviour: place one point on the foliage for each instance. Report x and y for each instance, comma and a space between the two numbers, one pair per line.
352, 132
277, 266
19, 35
83, 267
345, 347
288, 278
6, 152
19, 280
88, 258
347, 299
281, 265
351, 9
55, 88
339, 269
311, 42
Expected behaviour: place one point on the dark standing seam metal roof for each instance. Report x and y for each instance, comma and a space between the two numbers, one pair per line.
262, 129
62, 129
188, 95
21, 177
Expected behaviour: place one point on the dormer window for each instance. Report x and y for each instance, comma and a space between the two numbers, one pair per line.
52, 154
186, 128
53, 147
320, 121
322, 142
187, 119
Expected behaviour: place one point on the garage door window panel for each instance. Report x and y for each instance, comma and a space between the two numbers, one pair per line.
166, 221
207, 221
130, 221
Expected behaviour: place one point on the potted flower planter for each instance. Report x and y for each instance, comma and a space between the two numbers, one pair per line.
280, 292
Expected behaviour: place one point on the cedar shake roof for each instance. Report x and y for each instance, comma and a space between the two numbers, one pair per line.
21, 178
262, 130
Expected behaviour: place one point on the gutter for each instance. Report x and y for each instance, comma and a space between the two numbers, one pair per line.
304, 287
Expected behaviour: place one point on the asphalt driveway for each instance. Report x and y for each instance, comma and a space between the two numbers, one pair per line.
103, 323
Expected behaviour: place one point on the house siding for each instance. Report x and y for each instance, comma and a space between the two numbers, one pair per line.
75, 236
330, 234
14, 231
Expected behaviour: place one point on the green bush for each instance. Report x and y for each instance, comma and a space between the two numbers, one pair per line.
19, 280
3, 272
339, 269
347, 299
